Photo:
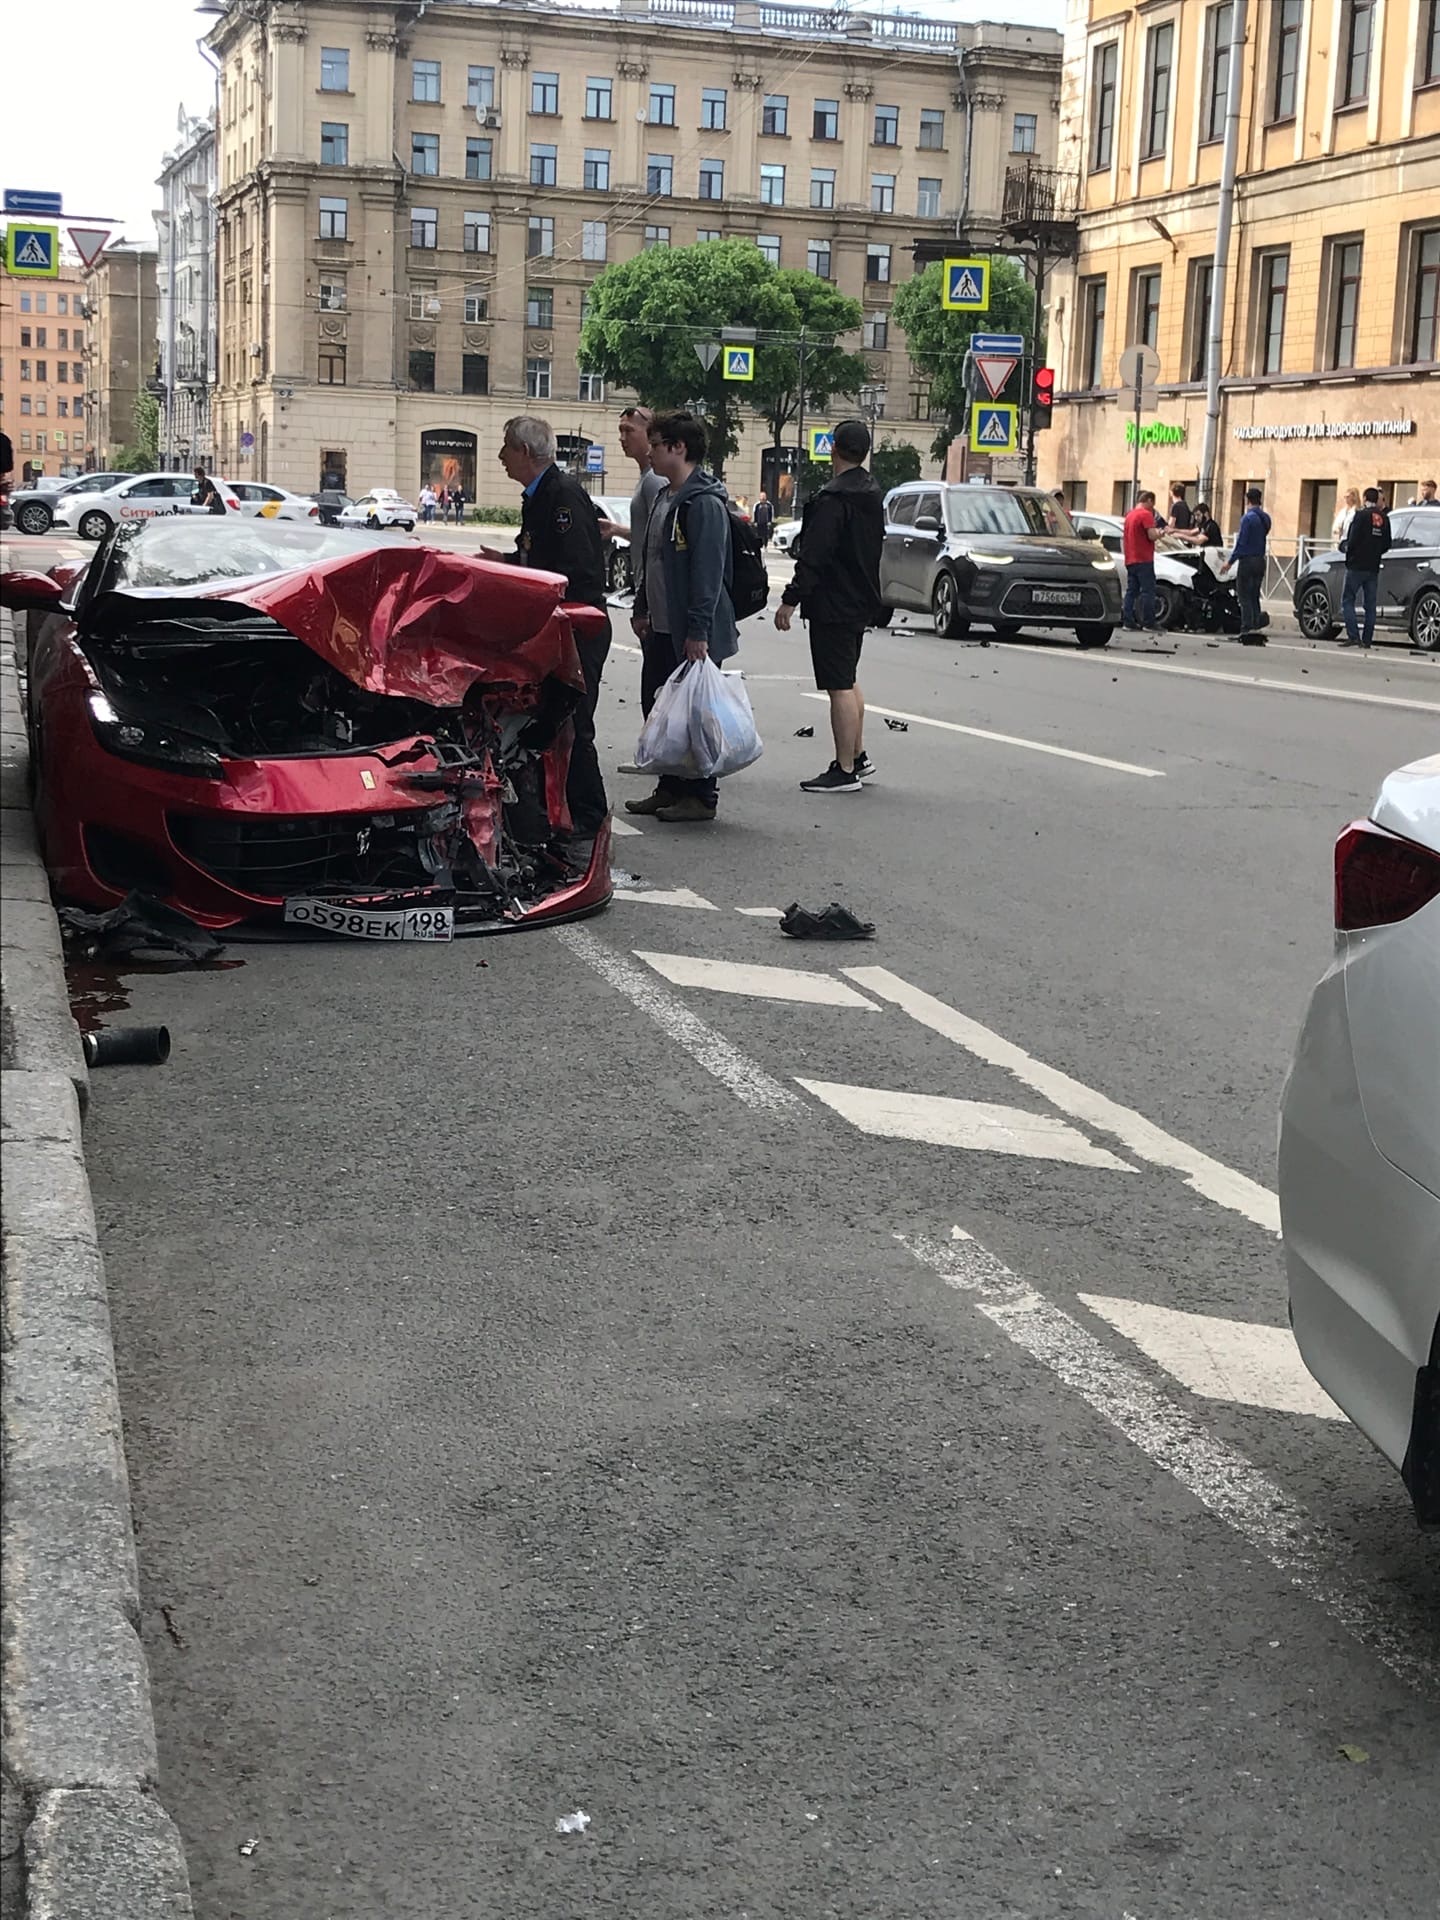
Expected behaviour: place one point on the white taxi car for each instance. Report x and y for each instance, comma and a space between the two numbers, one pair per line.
139, 496
266, 502
381, 507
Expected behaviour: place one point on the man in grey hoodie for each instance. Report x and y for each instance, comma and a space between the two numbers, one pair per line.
684, 596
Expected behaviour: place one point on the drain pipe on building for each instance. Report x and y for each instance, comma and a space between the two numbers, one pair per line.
1225, 214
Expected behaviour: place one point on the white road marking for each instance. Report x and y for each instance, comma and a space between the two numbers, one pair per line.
1104, 657
1235, 1360
623, 827
749, 1083
976, 1125
763, 913
1141, 1136
666, 897
1313, 1557
624, 646
761, 983
1010, 740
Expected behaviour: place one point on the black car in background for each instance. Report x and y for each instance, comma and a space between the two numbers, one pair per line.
1006, 558
332, 503
1407, 601
34, 507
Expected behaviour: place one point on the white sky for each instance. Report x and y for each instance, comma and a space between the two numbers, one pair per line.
93, 88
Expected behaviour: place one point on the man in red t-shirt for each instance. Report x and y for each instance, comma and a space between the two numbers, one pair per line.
1142, 530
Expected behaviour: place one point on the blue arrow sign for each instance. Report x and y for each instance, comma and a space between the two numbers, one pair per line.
45, 205
997, 343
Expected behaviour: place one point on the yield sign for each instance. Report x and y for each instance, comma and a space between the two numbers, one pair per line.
995, 369
89, 243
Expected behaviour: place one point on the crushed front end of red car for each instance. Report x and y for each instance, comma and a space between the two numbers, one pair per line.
265, 725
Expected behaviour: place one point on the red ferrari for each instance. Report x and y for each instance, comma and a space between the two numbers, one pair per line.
267, 725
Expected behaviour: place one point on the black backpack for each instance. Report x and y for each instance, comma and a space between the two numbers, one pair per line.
749, 580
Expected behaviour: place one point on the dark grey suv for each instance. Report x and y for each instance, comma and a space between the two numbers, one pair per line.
1407, 600
1004, 557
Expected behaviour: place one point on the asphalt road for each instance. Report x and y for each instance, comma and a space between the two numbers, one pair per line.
772, 1412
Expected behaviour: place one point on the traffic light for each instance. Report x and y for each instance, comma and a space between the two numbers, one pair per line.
1042, 399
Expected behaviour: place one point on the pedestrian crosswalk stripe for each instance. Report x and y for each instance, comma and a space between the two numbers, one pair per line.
1235, 1360
665, 897
976, 1125
759, 982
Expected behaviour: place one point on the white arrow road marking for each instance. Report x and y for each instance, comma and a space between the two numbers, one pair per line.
1235, 1360
733, 1069
978, 1125
762, 983
1010, 740
663, 897
1314, 1558
1141, 1136
763, 913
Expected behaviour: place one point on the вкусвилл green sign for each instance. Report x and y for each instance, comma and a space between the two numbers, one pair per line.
1150, 433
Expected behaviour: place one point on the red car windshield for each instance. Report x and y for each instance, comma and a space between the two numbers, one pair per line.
185, 551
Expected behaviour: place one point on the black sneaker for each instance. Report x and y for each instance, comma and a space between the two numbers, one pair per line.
865, 768
833, 780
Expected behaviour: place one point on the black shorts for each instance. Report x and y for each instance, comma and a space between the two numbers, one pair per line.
835, 656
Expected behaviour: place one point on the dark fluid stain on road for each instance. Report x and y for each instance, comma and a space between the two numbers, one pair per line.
99, 990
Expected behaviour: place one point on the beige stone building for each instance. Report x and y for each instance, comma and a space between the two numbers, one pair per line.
1330, 325
120, 296
42, 372
413, 201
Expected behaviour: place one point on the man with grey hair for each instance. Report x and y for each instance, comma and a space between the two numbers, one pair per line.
560, 532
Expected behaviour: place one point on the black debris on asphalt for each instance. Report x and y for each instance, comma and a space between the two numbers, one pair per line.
804, 733
831, 923
897, 726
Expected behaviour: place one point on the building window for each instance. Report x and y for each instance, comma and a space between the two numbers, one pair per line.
475, 373
1103, 71
775, 113
332, 296
655, 237
480, 87
539, 306
334, 69
539, 237
703, 234
712, 179
425, 81
1289, 18
24, 403
662, 106
876, 334
25, 303
599, 99
477, 306
772, 186
77, 373
537, 379
927, 199
592, 387
887, 127
882, 193
1202, 285
825, 120
25, 337
932, 129
1159, 66
1092, 333
1345, 262
422, 370
822, 186
25, 442
479, 159
424, 301
332, 366
477, 232
334, 219
712, 109
542, 166
24, 369
1145, 315
769, 246
42, 337
1219, 22
1359, 43
1425, 310
425, 153
42, 373
1023, 131
596, 172
817, 258
77, 441
1274, 288
877, 263
659, 173
1430, 46
594, 240
424, 227
544, 93
62, 405
334, 144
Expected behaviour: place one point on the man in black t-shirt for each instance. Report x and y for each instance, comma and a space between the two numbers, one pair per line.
205, 493
1181, 520
1365, 544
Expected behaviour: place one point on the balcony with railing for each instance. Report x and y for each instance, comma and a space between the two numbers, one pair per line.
1041, 205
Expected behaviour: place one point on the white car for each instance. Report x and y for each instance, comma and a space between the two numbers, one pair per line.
265, 502
1360, 1139
1171, 575
381, 507
139, 496
34, 506
783, 539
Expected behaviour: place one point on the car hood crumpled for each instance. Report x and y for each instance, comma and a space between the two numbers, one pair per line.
409, 621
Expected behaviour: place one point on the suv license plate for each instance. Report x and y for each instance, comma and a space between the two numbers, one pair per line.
1055, 596
372, 923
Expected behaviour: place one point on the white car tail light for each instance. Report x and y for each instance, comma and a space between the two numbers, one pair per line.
1381, 878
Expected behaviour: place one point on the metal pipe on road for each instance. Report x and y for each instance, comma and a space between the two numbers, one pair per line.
1225, 212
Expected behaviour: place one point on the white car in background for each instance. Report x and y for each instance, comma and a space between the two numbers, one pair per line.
139, 496
381, 507
34, 506
265, 502
783, 539
1173, 577
1359, 1164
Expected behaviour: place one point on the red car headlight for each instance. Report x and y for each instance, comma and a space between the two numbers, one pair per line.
152, 746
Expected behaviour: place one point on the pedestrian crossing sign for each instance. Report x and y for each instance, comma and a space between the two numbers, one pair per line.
822, 442
739, 363
994, 429
967, 286
32, 252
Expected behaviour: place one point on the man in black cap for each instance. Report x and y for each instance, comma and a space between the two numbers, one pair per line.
837, 589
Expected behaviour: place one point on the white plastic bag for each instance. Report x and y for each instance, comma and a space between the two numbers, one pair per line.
701, 726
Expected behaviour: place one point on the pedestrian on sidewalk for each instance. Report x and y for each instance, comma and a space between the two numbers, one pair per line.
427, 503
560, 533
1344, 514
764, 518
1142, 529
683, 604
1365, 543
837, 589
457, 501
1427, 496
1248, 558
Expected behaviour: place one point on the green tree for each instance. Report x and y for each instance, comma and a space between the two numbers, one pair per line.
937, 339
893, 463
647, 315
142, 455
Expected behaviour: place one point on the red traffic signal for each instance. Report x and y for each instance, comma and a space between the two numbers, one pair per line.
1042, 397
